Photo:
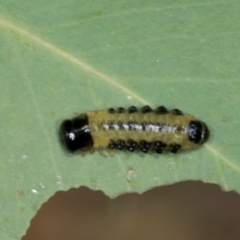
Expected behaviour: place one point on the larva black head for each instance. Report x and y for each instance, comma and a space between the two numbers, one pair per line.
75, 133
198, 132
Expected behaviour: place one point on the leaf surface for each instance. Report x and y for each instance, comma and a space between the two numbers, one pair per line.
58, 58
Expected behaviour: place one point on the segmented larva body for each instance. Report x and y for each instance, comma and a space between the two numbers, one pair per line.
144, 129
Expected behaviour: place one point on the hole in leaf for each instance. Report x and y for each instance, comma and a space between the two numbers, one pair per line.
188, 210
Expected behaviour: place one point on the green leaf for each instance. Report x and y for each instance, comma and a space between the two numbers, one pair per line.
62, 57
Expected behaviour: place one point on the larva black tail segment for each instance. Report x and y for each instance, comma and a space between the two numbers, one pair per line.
198, 132
144, 129
75, 133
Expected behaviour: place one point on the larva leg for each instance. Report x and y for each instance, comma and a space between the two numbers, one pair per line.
102, 152
83, 153
85, 150
111, 152
75, 114
91, 150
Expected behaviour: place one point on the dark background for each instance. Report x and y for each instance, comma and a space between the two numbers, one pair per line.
187, 210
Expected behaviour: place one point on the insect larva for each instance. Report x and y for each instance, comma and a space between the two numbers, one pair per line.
133, 129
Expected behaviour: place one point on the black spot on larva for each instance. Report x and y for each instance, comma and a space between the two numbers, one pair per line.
144, 125
75, 133
174, 148
120, 110
120, 125
111, 110
178, 129
112, 144
198, 132
132, 109
111, 125
146, 109
160, 127
161, 110
131, 125
144, 146
120, 144
159, 146
151, 127
131, 145
177, 112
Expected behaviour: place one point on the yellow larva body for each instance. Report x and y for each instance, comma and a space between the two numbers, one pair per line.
175, 128
142, 129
